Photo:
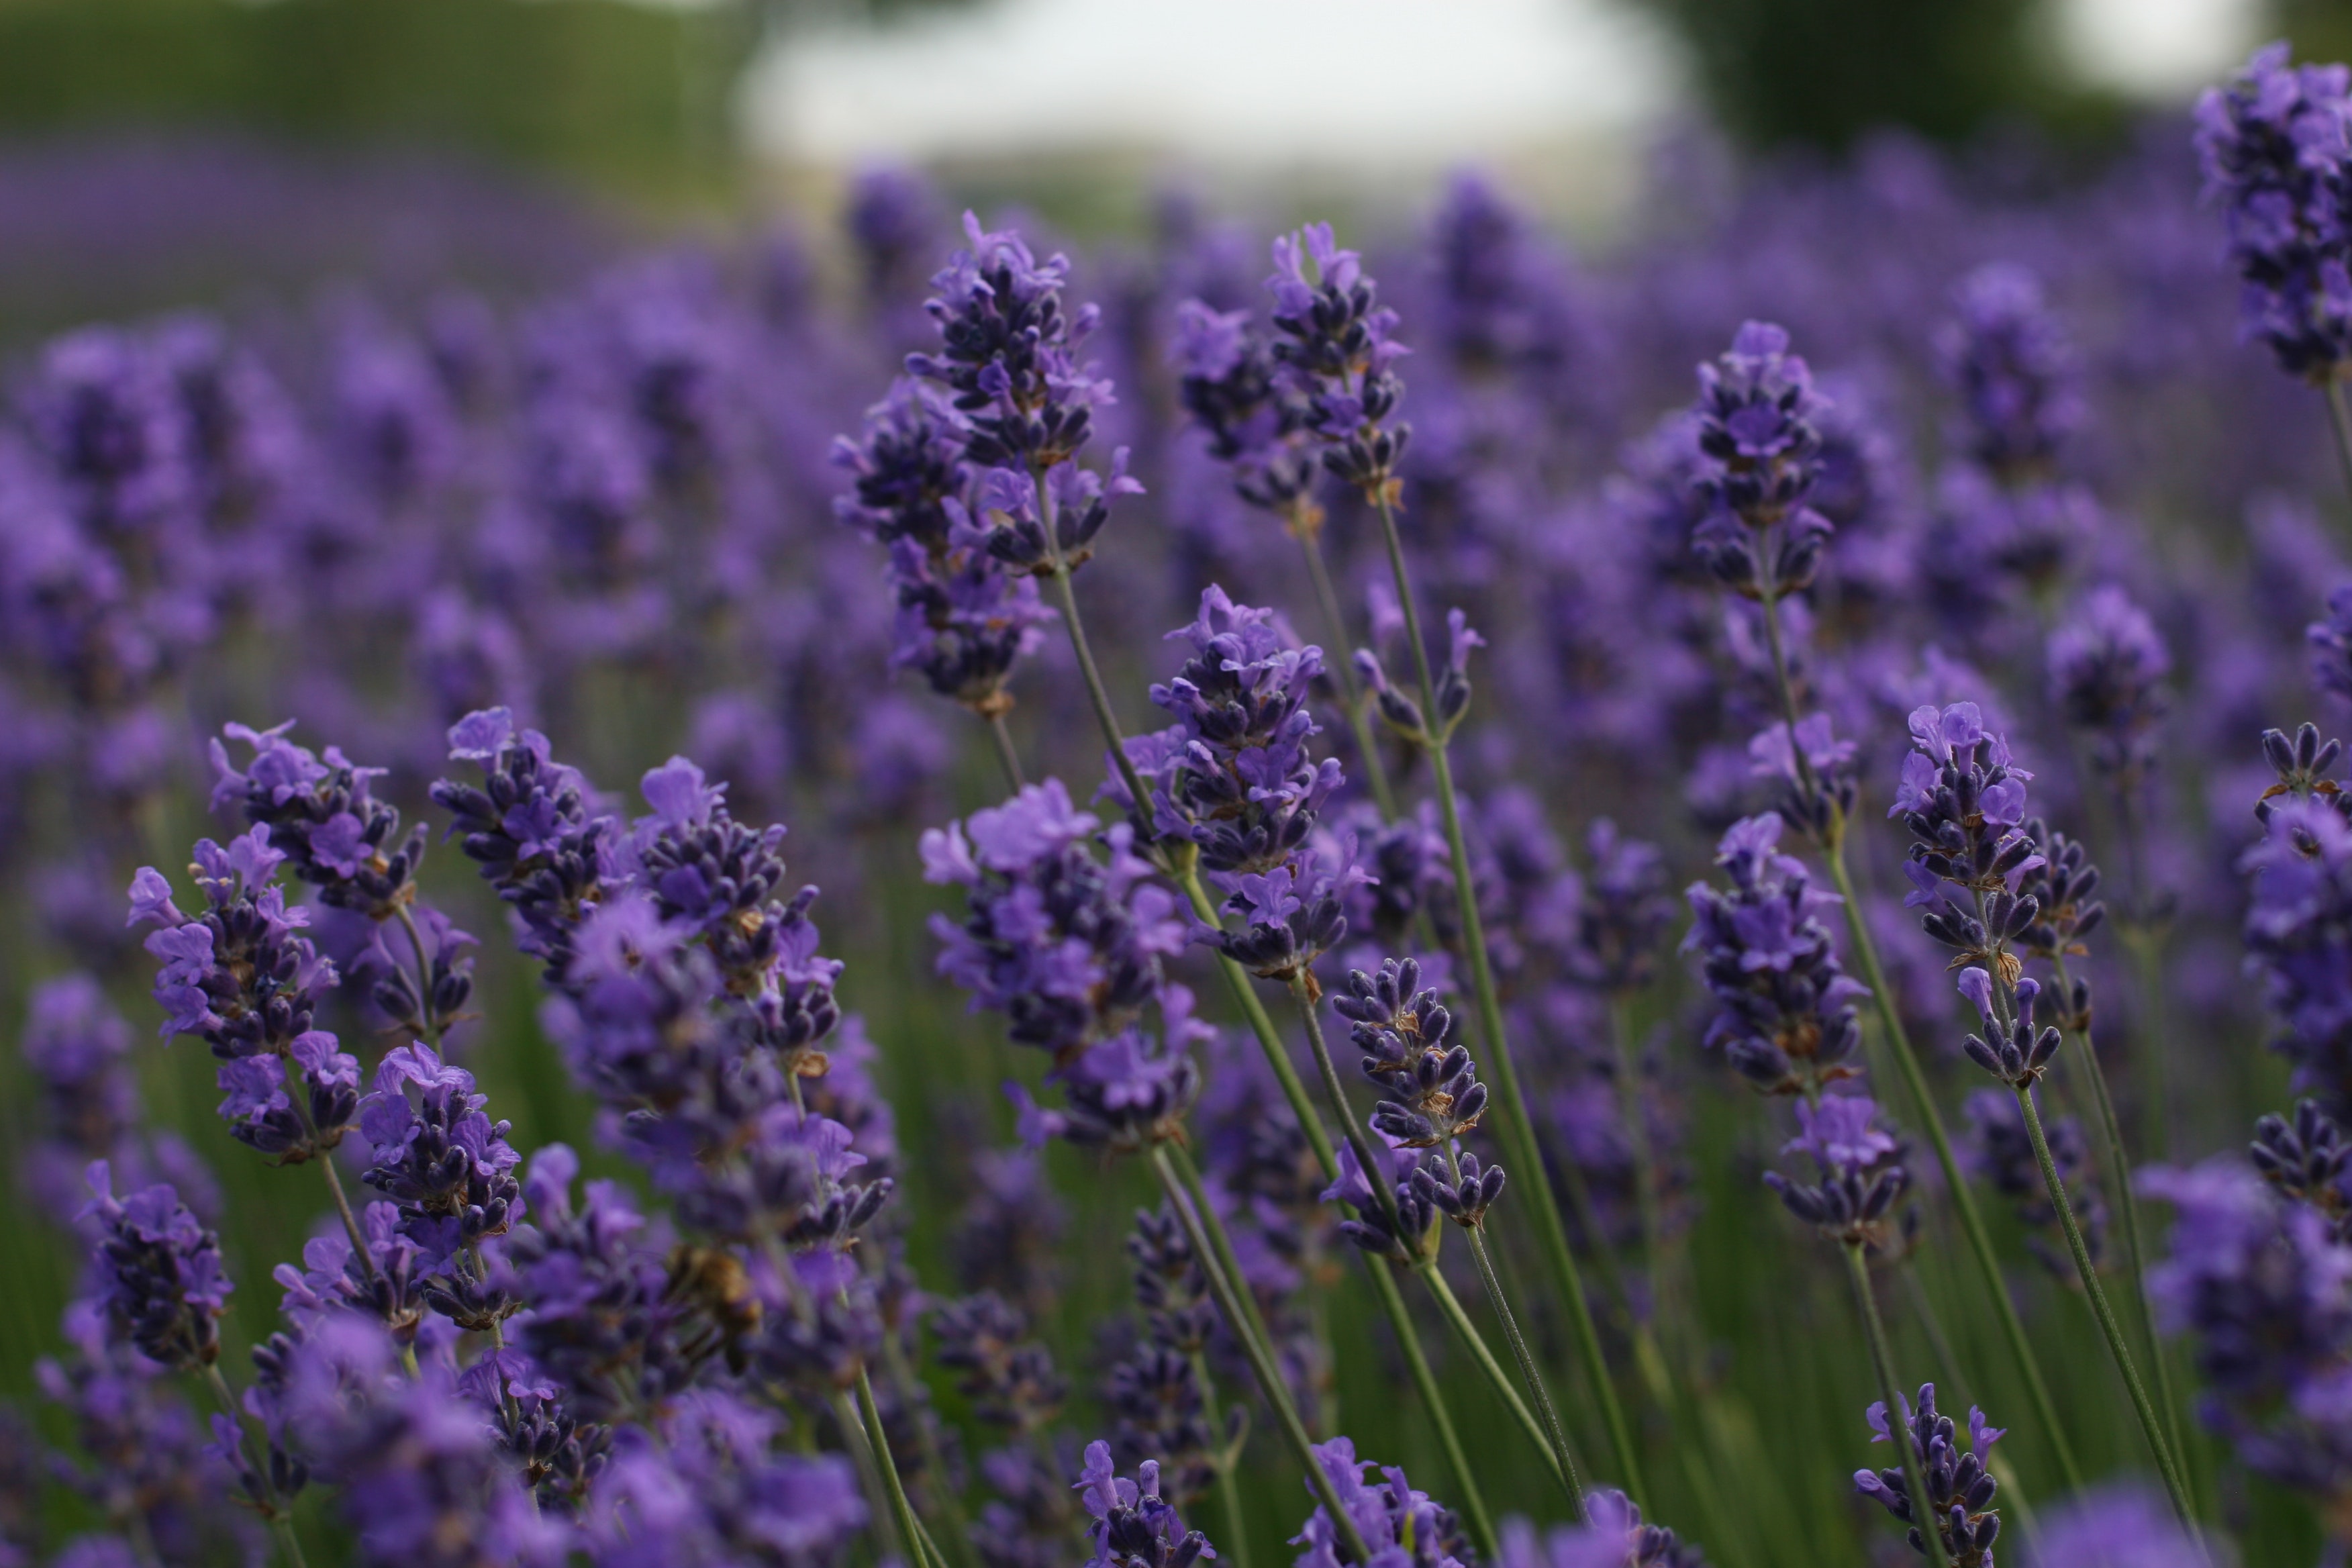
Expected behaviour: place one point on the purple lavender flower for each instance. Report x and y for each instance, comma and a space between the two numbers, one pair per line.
1133, 1526
890, 219
2108, 667
2301, 763
2330, 641
1759, 447
102, 410
412, 1460
713, 1494
323, 816
1963, 800
1429, 1092
1337, 354
2008, 360
1398, 1524
1008, 1376
1254, 418
2017, 1054
1959, 1489
1785, 1014
450, 1170
2295, 940
1008, 352
529, 825
241, 978
963, 620
1861, 1177
1814, 770
163, 1286
2117, 1526
2274, 146
2305, 1159
381, 1283
1068, 946
78, 1050
2265, 1293
1614, 1536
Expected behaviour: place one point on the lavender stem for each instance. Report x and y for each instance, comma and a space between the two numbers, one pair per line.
1890, 1389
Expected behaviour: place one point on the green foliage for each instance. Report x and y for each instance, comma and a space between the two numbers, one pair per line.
1822, 73
628, 96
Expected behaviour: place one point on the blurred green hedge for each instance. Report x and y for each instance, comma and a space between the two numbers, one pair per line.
627, 97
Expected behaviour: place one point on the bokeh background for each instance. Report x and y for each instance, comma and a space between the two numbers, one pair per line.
283, 162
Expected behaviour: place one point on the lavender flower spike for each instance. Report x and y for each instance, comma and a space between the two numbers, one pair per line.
165, 1288
1132, 1527
1959, 1489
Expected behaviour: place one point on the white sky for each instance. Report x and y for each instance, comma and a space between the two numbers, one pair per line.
1284, 81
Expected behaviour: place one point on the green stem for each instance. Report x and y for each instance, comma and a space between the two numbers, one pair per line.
1457, 1316
1270, 1382
1529, 1371
1433, 1399
1376, 1174
1099, 696
1253, 1324
1637, 1133
2151, 1425
943, 1492
1890, 1389
1008, 756
428, 1025
1955, 1181
1342, 665
894, 1539
343, 1210
1517, 1128
1229, 1487
878, 1440
2119, 1177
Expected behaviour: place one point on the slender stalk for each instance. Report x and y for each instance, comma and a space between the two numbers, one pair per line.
281, 1521
1517, 1129
1563, 1464
428, 1025
2119, 1178
1229, 1487
1890, 1389
1637, 1134
895, 1541
2151, 1425
343, 1209
2339, 420
1465, 1480
879, 1441
1342, 665
1955, 1181
1554, 1434
1375, 1170
1253, 1324
1269, 1376
1008, 756
1261, 1023
959, 1527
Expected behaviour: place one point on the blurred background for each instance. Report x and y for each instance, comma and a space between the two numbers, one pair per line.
165, 152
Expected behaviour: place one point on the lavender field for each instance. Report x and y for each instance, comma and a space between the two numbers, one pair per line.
911, 893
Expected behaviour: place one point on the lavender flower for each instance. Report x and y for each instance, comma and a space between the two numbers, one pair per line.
450, 1169
2006, 359
411, 1460
1008, 354
323, 818
2120, 1526
1336, 354
1760, 444
963, 620
1614, 1536
1959, 1489
1398, 1524
1255, 419
2305, 1159
528, 826
1430, 1094
1622, 910
2297, 945
2274, 146
2108, 667
165, 1288
1785, 1017
1007, 1376
1068, 947
714, 1494
241, 978
1133, 1527
1861, 1177
2017, 1054
1962, 798
2302, 765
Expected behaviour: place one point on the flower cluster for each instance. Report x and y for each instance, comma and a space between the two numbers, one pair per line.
1335, 351
1397, 1523
1785, 1017
1861, 1174
2274, 147
2006, 359
1959, 1489
1758, 435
